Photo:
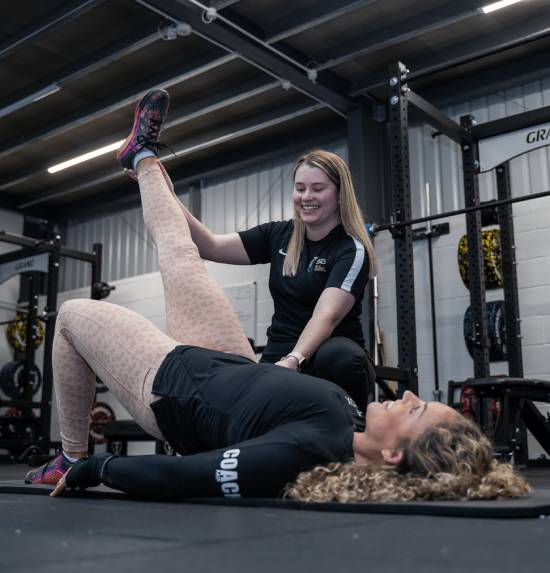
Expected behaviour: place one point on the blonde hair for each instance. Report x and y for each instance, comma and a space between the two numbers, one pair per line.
338, 172
448, 462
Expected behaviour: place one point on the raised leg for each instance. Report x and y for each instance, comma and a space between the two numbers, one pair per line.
197, 310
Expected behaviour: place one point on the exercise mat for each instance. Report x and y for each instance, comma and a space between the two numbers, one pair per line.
536, 505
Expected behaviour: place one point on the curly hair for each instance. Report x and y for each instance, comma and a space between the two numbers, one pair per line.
453, 461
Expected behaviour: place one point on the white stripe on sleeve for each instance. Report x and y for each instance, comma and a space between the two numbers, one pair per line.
355, 267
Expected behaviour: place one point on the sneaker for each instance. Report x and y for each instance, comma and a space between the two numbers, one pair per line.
50, 473
149, 117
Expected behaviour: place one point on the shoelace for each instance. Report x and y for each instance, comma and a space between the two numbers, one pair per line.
150, 141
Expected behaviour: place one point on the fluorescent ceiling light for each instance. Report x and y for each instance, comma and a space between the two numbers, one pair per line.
498, 5
85, 157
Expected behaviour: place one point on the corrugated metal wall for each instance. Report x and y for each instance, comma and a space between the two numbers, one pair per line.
128, 249
231, 202
254, 196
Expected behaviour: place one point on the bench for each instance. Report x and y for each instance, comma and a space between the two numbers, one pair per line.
516, 397
118, 434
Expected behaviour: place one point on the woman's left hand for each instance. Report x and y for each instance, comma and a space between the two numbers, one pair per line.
61, 485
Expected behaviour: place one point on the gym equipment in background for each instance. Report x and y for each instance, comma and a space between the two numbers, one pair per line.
101, 415
492, 262
37, 261
14, 379
496, 325
118, 433
17, 332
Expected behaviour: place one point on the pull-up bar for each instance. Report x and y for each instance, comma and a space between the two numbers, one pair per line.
47, 246
482, 206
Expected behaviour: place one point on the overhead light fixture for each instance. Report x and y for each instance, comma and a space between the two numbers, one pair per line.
85, 157
34, 97
498, 5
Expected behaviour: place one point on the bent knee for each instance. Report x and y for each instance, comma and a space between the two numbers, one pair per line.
339, 353
71, 307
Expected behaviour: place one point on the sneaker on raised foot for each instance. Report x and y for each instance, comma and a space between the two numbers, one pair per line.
151, 111
49, 473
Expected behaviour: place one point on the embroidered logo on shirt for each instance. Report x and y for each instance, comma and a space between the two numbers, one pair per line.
281, 252
317, 265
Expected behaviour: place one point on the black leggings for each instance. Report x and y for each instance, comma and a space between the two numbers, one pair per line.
338, 359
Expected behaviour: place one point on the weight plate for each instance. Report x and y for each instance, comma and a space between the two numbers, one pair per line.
17, 332
490, 240
101, 415
13, 383
496, 324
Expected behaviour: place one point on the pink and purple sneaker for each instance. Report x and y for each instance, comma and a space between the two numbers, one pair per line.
49, 473
151, 111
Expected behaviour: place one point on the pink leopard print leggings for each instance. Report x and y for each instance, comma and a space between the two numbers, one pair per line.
124, 348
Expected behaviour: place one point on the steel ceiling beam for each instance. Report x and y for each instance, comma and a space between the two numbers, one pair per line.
311, 17
229, 132
221, 4
294, 142
464, 52
196, 109
59, 17
133, 43
200, 65
388, 36
100, 59
254, 53
490, 82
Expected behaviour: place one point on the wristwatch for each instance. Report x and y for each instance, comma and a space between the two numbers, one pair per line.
300, 359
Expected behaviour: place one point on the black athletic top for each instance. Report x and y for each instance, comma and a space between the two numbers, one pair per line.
338, 260
244, 429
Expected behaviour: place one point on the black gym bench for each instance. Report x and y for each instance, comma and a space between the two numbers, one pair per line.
516, 397
118, 434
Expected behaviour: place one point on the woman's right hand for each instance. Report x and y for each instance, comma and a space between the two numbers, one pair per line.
288, 362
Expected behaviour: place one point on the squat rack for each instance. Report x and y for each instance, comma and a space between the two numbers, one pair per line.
40, 442
469, 135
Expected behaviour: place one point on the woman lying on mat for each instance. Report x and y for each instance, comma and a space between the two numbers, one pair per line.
243, 429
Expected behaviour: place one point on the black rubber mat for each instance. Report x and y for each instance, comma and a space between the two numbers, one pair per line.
536, 505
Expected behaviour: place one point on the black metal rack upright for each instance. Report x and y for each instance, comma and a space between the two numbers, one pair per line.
402, 211
467, 134
470, 166
509, 273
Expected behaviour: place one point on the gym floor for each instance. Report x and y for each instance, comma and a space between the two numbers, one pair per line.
42, 534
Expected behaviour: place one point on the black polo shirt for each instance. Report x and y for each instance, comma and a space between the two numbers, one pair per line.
338, 260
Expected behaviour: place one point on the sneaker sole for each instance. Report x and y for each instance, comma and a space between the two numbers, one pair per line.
139, 107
